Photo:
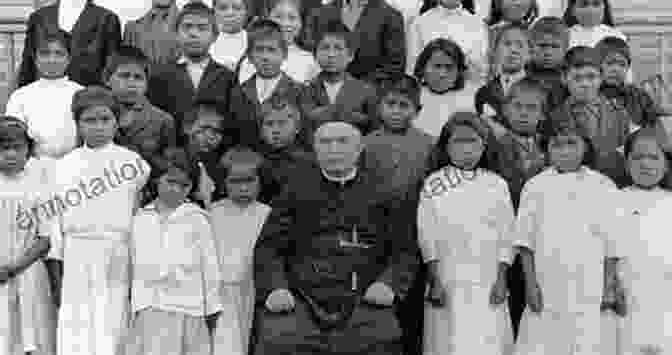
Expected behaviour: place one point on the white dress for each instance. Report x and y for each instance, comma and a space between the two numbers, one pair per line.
467, 30
300, 65
566, 219
229, 48
44, 106
647, 270
437, 108
236, 232
464, 219
25, 302
96, 191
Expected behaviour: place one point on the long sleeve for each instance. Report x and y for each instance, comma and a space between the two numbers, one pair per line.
272, 247
210, 266
130, 34
243, 113
504, 218
111, 37
14, 106
478, 58
394, 45
27, 72
413, 44
429, 226
526, 228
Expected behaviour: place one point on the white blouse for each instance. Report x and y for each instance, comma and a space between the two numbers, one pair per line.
437, 108
229, 48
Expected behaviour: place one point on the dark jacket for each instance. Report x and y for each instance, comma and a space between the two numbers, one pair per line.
636, 101
551, 80
171, 89
159, 44
379, 40
491, 94
301, 245
95, 36
279, 167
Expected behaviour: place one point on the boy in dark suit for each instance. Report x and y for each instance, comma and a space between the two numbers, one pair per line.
267, 51
153, 33
176, 87
96, 34
335, 89
378, 40
550, 40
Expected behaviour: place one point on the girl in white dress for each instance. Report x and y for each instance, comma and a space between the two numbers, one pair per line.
647, 266
464, 217
300, 65
231, 43
446, 86
237, 221
564, 239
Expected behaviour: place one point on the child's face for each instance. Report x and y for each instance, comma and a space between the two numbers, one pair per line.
205, 135
583, 83
646, 163
549, 51
441, 72
397, 111
267, 56
195, 35
589, 13
513, 51
288, 17
566, 152
242, 184
13, 156
614, 68
465, 147
128, 80
173, 187
515, 10
333, 54
524, 112
52, 60
280, 127
449, 4
97, 126
231, 15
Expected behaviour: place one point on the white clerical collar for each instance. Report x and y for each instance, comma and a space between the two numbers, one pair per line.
342, 179
68, 13
51, 82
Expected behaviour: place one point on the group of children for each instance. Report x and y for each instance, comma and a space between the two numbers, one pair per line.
513, 136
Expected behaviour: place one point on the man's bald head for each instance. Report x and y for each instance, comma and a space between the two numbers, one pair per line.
338, 146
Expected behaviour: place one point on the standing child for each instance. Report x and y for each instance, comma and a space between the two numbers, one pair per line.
504, 13
237, 221
231, 44
442, 71
26, 308
451, 21
153, 33
299, 64
176, 275
93, 180
589, 21
564, 239
550, 41
267, 50
512, 53
464, 216
50, 122
335, 89
616, 61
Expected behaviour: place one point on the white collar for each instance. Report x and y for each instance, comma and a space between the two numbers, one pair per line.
340, 180
51, 82
68, 13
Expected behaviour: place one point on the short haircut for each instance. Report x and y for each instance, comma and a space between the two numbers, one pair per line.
581, 57
508, 28
262, 30
272, 4
203, 108
55, 36
496, 14
611, 44
126, 55
401, 84
449, 48
179, 158
550, 26
280, 102
241, 155
570, 19
335, 29
526, 85
93, 96
197, 8
12, 128
555, 128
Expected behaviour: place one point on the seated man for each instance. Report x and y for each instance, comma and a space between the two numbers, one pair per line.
338, 252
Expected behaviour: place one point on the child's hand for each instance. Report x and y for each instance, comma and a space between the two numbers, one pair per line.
437, 295
534, 297
498, 292
379, 294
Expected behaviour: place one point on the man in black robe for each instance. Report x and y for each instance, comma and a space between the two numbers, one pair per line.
335, 257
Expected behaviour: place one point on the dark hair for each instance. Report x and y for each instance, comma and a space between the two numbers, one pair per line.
203, 107
439, 157
16, 125
242, 155
552, 26
657, 133
265, 29
335, 29
197, 8
449, 48
497, 13
613, 44
401, 84
582, 56
430, 4
511, 27
571, 127
570, 19
126, 55
62, 37
281, 102
94, 96
527, 85
178, 158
